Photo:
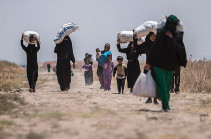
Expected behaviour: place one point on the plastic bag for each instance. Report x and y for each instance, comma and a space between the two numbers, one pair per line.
145, 86
26, 35
127, 36
146, 28
65, 30
103, 58
162, 22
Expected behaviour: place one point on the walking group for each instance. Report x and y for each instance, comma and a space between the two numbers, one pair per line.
165, 54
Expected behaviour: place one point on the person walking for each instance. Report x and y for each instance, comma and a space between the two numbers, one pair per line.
133, 66
121, 71
175, 83
64, 53
167, 53
88, 76
32, 66
99, 68
144, 48
49, 67
107, 72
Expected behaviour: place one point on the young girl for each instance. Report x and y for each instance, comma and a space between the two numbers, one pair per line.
107, 72
144, 48
88, 73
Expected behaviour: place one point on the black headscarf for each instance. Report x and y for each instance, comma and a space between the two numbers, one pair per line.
147, 39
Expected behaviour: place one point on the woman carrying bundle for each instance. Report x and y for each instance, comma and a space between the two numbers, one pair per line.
64, 53
32, 66
133, 67
167, 54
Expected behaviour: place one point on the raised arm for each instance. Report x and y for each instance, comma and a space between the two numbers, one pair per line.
22, 45
140, 48
121, 50
38, 45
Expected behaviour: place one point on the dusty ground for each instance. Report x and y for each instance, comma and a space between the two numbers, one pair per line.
86, 112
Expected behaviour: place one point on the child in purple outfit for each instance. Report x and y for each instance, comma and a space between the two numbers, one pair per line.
107, 72
88, 73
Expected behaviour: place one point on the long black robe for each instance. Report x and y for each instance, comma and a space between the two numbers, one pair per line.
32, 66
167, 53
145, 48
133, 67
64, 52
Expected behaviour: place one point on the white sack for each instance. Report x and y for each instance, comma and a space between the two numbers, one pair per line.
146, 28
145, 86
127, 36
26, 35
65, 30
162, 23
141, 40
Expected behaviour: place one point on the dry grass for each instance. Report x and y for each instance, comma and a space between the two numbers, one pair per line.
196, 77
11, 76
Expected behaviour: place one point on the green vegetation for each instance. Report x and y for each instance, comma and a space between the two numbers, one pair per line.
6, 124
33, 135
10, 101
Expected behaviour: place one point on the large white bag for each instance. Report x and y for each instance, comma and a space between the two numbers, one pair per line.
65, 30
26, 35
127, 36
162, 23
145, 86
146, 28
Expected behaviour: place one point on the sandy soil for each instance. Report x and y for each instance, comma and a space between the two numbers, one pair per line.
86, 112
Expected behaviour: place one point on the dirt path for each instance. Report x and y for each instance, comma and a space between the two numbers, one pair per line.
86, 112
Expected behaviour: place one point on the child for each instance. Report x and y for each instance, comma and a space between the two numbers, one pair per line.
121, 70
97, 54
86, 57
87, 73
91, 62
99, 68
107, 72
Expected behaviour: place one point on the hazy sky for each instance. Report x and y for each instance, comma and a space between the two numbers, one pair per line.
99, 22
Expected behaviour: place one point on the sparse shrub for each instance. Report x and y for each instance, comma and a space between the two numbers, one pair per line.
33, 135
10, 101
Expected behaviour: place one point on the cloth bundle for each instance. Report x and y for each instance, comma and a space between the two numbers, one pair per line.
127, 36
146, 28
65, 30
162, 23
26, 35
